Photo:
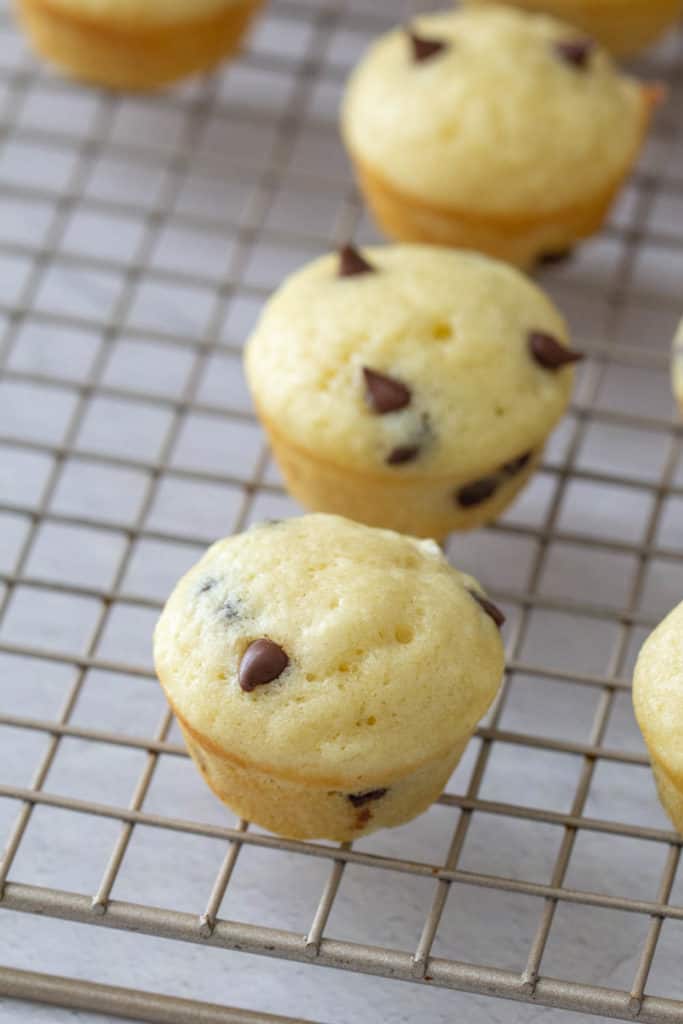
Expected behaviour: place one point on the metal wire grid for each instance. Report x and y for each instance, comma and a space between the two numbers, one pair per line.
306, 79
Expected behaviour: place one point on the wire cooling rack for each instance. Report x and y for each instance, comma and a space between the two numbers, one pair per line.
138, 238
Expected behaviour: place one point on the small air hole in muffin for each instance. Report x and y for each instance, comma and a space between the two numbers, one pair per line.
442, 331
403, 634
409, 562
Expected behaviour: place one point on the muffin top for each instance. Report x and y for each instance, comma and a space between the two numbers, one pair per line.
141, 11
508, 113
677, 364
380, 656
419, 361
658, 693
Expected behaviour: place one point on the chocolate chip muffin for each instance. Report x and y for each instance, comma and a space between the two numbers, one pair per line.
492, 129
135, 44
658, 701
623, 26
327, 676
409, 387
677, 366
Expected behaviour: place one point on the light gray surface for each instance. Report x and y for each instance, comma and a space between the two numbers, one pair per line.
141, 159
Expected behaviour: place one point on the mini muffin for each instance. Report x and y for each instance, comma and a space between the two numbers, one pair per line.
327, 676
135, 44
658, 701
623, 26
677, 366
494, 130
409, 386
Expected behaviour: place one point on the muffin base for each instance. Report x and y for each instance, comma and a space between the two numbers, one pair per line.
623, 26
521, 239
420, 505
670, 795
305, 811
134, 55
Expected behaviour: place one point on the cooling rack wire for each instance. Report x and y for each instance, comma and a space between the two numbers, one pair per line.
138, 238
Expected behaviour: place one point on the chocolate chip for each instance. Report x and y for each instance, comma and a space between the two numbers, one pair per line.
553, 257
402, 454
360, 799
384, 394
208, 584
477, 492
262, 662
516, 465
549, 352
489, 607
362, 818
351, 263
575, 51
423, 48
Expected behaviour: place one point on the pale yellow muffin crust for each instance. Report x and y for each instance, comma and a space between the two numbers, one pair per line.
658, 702
391, 659
497, 122
454, 328
391, 664
658, 693
677, 366
623, 26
